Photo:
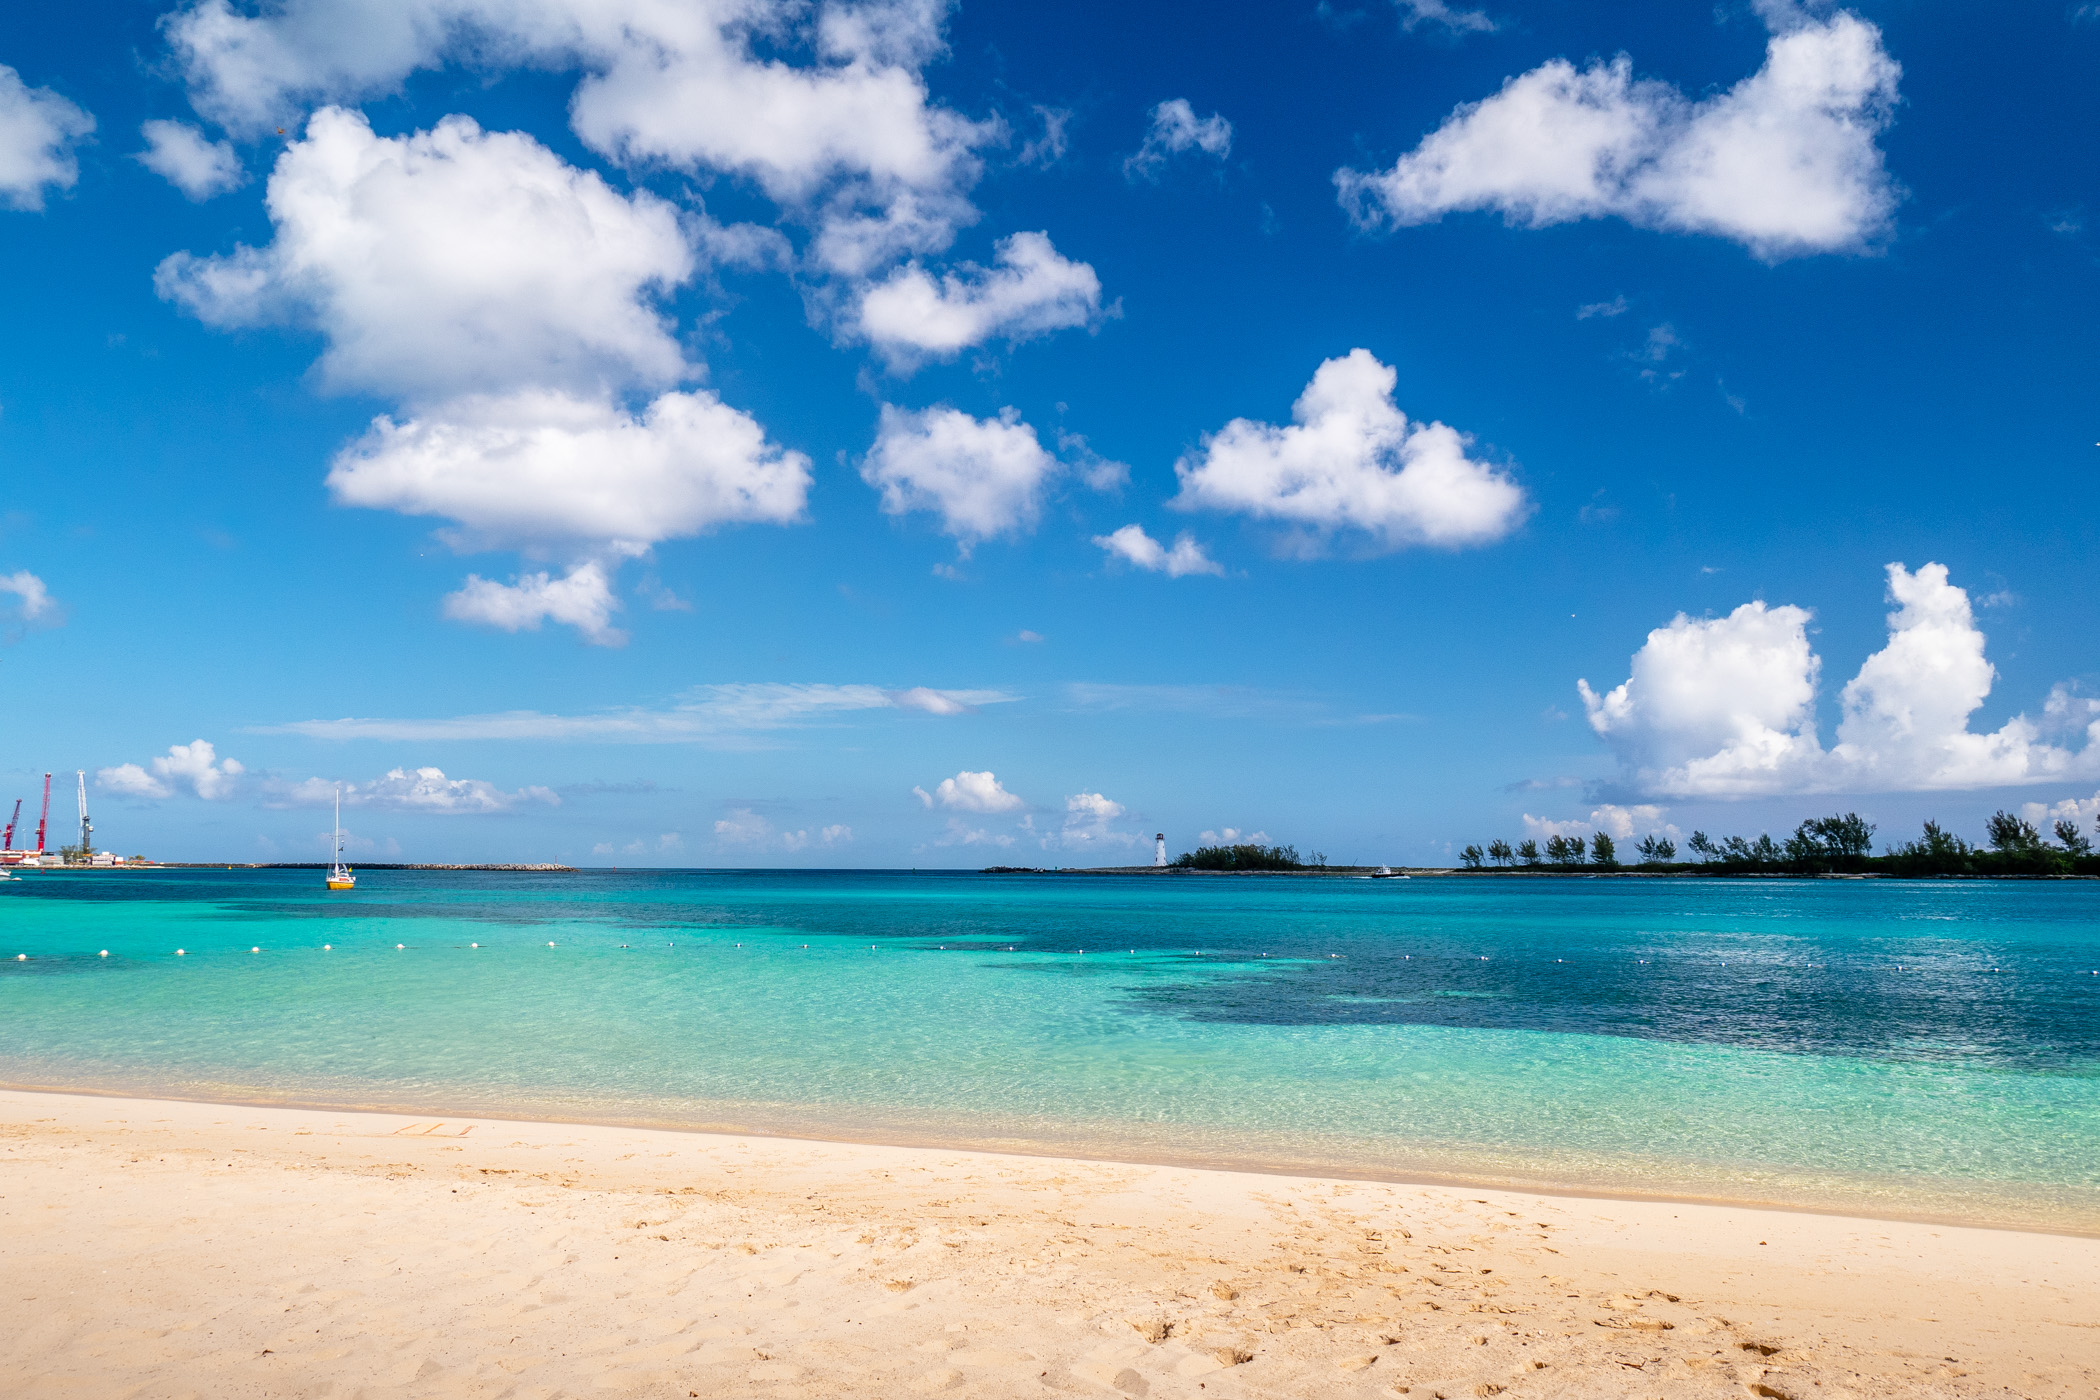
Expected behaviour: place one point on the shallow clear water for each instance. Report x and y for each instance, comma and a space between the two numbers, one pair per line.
1928, 1048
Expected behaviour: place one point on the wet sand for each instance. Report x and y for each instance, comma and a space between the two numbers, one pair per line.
165, 1249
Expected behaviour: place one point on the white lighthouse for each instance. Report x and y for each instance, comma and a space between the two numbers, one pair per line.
1159, 849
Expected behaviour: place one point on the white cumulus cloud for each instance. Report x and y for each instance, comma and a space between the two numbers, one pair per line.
1625, 823
189, 160
1134, 547
1351, 461
1717, 705
36, 603
582, 598
1176, 128
539, 467
984, 477
1542, 827
1725, 707
453, 261
1031, 290
970, 792
38, 130
823, 107
1784, 162
130, 780
1089, 824
2082, 812
194, 765
746, 828
509, 300
961, 833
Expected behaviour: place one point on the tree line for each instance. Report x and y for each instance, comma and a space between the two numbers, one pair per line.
1819, 846
1248, 857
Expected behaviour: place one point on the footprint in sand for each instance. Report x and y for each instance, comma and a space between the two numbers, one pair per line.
946, 1378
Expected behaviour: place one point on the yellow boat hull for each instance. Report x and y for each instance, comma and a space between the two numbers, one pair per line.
342, 884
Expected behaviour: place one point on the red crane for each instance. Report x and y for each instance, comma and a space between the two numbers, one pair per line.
7, 843
43, 816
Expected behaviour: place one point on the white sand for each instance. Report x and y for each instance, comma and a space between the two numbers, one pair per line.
160, 1249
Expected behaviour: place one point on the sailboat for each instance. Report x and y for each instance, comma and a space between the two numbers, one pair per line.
339, 876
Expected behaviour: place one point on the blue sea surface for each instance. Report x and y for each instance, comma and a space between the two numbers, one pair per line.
1924, 1048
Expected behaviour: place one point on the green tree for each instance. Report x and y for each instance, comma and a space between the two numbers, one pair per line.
1470, 857
1657, 850
2074, 843
1937, 852
1701, 847
1850, 837
1239, 858
2009, 835
1498, 851
1528, 851
1603, 852
1556, 850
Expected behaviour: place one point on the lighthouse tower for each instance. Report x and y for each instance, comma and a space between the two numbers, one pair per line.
1159, 849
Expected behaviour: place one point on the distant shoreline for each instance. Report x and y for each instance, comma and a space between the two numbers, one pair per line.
323, 865
1360, 872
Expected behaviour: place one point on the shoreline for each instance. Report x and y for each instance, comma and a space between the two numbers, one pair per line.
1440, 872
844, 1135
178, 1246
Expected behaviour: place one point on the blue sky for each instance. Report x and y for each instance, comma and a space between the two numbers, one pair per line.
698, 433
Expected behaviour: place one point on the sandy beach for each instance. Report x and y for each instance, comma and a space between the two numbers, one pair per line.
166, 1249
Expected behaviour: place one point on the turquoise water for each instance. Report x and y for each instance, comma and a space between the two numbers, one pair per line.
1928, 1048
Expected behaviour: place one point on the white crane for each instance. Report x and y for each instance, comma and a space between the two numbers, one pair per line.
87, 828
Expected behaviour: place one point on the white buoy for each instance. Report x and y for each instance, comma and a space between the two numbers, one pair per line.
550, 945
255, 950
327, 947
400, 945
473, 945
21, 957
105, 952
178, 952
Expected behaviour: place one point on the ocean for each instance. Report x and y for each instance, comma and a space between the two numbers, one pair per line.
1924, 1049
